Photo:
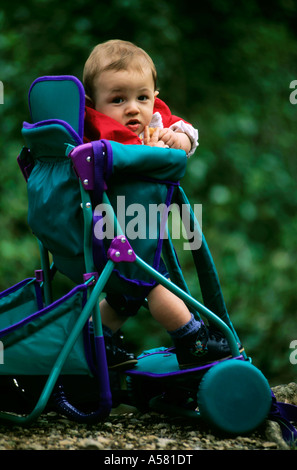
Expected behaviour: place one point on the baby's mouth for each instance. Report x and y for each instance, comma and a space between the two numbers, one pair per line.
133, 125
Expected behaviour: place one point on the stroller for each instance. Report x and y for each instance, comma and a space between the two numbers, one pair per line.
52, 358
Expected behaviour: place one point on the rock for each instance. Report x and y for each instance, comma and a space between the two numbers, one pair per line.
274, 435
165, 443
94, 444
286, 393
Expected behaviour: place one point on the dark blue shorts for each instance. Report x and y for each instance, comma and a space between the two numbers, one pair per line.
128, 306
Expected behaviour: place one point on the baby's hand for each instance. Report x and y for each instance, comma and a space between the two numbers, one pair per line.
170, 138
166, 138
153, 138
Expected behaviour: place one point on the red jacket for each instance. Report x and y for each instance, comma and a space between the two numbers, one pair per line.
99, 126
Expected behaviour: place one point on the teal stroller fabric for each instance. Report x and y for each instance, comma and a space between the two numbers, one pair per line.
32, 333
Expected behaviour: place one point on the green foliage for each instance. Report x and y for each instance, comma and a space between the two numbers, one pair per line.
226, 68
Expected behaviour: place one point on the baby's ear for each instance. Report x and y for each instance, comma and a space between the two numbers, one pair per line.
156, 94
89, 102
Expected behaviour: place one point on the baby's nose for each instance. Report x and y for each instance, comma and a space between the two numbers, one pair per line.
132, 107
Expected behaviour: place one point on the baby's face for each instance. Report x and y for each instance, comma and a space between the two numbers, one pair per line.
127, 96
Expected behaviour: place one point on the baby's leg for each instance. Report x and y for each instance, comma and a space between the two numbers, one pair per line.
110, 318
168, 309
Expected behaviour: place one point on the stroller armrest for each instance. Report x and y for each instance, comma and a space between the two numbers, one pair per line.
129, 160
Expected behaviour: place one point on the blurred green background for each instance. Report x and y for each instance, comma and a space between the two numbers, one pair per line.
225, 66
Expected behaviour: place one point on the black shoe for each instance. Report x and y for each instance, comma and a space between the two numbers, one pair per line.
201, 348
117, 357
191, 349
218, 342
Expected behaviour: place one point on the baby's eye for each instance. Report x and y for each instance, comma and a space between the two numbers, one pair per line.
142, 98
117, 100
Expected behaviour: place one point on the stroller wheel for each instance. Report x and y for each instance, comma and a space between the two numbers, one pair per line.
234, 397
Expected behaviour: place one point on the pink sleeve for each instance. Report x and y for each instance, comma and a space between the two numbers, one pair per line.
177, 124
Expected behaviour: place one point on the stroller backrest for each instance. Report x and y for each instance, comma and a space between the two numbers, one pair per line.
59, 98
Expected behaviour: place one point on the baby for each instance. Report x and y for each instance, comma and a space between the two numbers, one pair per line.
122, 104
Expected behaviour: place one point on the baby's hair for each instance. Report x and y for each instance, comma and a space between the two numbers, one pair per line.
115, 55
